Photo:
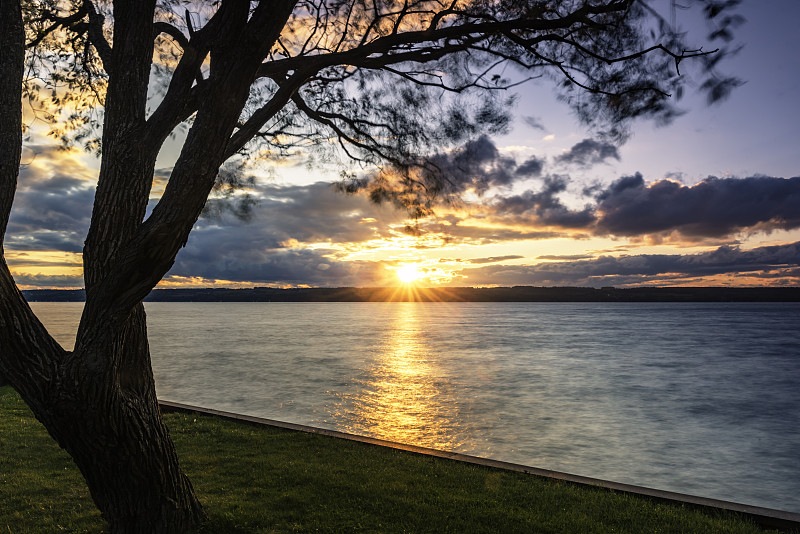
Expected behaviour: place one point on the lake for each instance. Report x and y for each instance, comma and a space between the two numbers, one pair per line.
699, 398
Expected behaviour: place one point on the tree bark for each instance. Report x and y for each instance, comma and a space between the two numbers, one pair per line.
12, 63
112, 428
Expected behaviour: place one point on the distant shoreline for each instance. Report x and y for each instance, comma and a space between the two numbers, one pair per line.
449, 294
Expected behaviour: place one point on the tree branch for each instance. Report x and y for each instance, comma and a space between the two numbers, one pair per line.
466, 33
260, 117
172, 31
685, 54
183, 97
12, 66
75, 22
96, 35
56, 23
327, 120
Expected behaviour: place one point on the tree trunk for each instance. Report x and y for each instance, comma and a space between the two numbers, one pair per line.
129, 462
110, 425
113, 429
116, 436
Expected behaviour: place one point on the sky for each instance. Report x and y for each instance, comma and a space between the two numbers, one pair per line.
711, 199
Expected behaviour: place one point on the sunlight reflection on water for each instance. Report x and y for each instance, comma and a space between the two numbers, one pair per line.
400, 394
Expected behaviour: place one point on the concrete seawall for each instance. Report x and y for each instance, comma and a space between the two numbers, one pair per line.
767, 517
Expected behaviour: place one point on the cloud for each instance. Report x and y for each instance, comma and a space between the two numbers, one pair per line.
769, 261
317, 213
477, 166
52, 205
472, 232
564, 257
52, 213
714, 207
290, 239
531, 167
280, 266
543, 207
534, 122
438, 180
33, 281
494, 259
589, 152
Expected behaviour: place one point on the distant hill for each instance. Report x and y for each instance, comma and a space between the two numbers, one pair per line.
450, 294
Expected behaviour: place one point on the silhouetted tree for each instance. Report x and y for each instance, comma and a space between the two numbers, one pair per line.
366, 77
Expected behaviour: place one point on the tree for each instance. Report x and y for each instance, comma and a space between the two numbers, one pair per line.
381, 81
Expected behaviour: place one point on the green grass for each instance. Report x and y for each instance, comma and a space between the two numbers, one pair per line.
259, 479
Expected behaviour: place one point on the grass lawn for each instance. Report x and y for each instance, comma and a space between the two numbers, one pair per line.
260, 479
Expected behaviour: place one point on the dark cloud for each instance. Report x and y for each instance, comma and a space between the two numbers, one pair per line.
780, 273
444, 178
769, 261
532, 167
494, 259
476, 166
24, 260
459, 231
51, 210
49, 280
543, 207
534, 122
589, 152
714, 207
711, 209
564, 257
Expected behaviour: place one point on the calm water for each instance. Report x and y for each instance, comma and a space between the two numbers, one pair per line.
695, 398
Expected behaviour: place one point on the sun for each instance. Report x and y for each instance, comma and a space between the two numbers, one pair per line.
409, 273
